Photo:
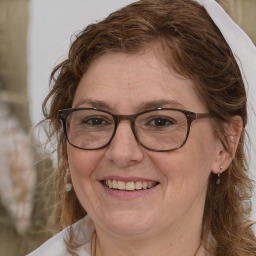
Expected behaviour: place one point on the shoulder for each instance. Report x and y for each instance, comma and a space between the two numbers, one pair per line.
56, 245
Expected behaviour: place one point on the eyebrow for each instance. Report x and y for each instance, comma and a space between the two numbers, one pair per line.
93, 103
160, 104
142, 106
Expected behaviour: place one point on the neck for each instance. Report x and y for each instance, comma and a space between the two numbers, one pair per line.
186, 245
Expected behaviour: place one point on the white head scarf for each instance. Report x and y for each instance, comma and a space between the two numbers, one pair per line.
245, 53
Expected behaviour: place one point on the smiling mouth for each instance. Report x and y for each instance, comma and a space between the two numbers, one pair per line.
129, 186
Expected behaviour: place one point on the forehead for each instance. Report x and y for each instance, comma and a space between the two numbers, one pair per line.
125, 82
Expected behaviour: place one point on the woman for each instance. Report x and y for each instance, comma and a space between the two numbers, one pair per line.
151, 152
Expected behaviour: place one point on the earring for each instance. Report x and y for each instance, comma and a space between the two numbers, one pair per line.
218, 180
68, 185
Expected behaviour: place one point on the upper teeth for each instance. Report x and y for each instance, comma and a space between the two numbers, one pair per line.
130, 185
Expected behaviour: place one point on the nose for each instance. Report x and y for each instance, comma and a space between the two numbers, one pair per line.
124, 150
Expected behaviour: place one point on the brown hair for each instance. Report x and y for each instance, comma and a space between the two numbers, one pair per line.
193, 44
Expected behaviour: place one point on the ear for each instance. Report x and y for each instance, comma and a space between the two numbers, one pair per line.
225, 155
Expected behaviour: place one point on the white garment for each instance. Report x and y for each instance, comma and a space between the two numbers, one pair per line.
56, 246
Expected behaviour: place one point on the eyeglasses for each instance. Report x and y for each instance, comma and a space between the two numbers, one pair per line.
160, 130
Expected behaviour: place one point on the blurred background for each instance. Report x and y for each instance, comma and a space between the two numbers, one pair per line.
34, 36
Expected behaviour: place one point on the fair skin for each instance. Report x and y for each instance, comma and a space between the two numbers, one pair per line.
166, 219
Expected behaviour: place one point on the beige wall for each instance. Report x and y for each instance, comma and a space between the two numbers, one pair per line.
14, 21
244, 13
13, 55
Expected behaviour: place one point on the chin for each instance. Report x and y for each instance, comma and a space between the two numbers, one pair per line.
129, 224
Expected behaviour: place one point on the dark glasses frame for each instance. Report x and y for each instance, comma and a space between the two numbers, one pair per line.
190, 116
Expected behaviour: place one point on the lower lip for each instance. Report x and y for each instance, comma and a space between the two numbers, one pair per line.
128, 195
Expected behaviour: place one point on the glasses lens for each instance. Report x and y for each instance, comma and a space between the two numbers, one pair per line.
89, 129
161, 130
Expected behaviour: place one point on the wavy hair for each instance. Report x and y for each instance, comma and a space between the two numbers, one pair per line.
192, 45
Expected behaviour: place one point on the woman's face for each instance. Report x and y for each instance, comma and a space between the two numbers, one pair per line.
127, 84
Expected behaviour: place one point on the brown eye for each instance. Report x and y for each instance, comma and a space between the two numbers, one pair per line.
160, 122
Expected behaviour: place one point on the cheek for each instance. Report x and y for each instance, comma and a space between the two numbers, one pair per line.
83, 162
190, 166
200, 155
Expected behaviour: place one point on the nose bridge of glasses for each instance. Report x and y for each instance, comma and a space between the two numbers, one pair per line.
130, 118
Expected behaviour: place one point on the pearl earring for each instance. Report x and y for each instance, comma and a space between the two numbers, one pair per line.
68, 185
